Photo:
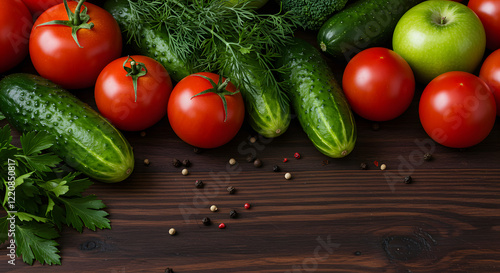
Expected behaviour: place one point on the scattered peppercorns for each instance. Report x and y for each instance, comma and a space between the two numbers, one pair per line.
257, 163
383, 167
296, 155
247, 206
427, 157
143, 134
232, 161
169, 270
185, 172
146, 162
213, 208
288, 176
206, 221
276, 168
233, 214
357, 253
375, 126
408, 179
172, 231
196, 150
222, 225
231, 189
199, 184
186, 163
253, 140
325, 162
176, 162
364, 166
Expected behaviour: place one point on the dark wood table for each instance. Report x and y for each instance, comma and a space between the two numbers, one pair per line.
332, 216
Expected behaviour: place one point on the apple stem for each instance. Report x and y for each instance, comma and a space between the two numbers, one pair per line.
443, 20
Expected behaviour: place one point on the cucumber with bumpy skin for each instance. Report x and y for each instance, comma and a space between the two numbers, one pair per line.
152, 42
267, 116
84, 139
318, 100
362, 24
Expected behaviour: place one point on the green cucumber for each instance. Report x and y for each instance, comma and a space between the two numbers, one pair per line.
265, 114
152, 41
363, 24
318, 100
84, 139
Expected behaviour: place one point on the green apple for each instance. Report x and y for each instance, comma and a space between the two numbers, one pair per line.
256, 4
438, 36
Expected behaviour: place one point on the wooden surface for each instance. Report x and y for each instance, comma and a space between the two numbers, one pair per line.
330, 217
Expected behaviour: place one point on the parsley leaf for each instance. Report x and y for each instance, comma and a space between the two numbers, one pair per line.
34, 142
35, 241
85, 211
47, 196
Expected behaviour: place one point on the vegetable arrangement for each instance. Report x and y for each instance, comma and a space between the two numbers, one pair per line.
207, 66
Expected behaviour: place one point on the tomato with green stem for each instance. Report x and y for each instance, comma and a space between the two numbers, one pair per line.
72, 42
132, 92
205, 110
15, 27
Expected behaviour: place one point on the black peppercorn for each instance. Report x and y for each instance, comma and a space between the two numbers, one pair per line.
250, 158
408, 179
375, 126
363, 166
206, 221
427, 157
357, 253
199, 184
276, 168
197, 150
233, 214
176, 162
257, 163
169, 270
186, 162
231, 189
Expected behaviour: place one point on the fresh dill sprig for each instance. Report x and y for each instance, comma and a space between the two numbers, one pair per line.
214, 36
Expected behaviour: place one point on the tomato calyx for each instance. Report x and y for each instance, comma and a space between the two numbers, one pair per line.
76, 21
135, 71
219, 89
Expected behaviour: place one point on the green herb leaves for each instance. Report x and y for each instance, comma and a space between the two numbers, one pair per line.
214, 35
40, 197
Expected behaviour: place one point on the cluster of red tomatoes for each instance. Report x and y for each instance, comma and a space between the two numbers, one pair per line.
456, 109
82, 49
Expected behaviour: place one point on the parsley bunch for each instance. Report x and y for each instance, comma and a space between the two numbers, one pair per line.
40, 195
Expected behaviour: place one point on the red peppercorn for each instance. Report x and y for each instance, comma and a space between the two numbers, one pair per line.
222, 225
296, 155
285, 160
247, 205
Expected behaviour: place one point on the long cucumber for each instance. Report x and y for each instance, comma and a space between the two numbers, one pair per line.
318, 100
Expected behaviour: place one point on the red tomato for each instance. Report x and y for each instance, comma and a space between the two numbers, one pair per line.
378, 84
37, 7
490, 73
15, 27
489, 13
457, 109
201, 121
56, 55
116, 98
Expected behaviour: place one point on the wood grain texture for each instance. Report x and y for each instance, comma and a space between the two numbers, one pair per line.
330, 217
